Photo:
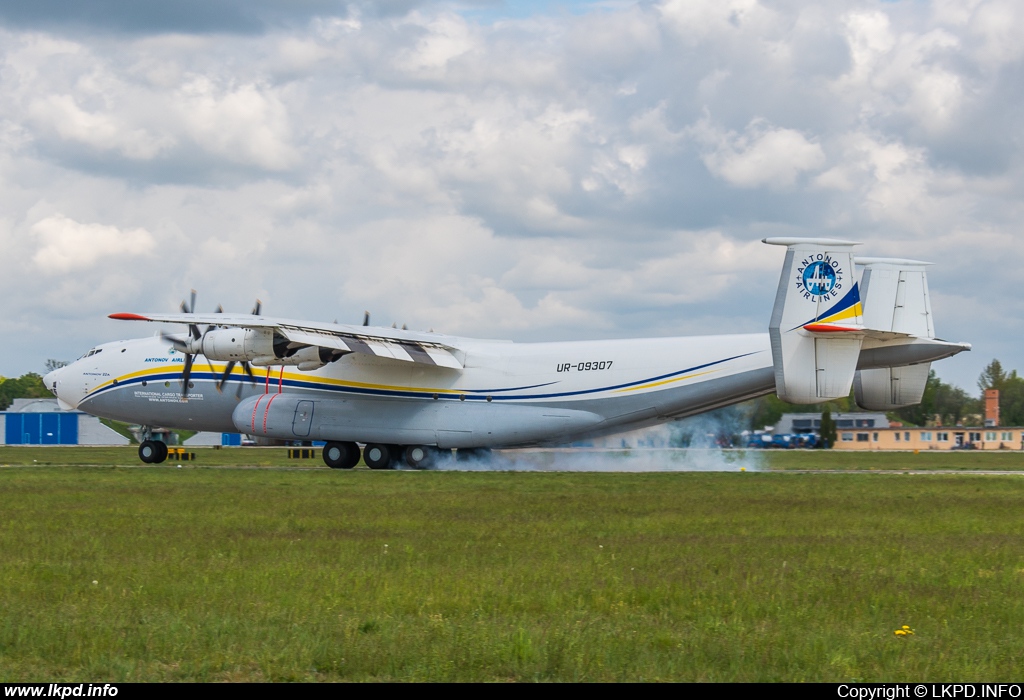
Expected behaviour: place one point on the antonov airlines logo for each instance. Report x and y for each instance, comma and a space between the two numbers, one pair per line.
819, 277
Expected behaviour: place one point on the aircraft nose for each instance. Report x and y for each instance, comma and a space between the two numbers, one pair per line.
57, 386
50, 380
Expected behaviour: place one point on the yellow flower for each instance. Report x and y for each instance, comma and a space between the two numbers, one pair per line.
900, 633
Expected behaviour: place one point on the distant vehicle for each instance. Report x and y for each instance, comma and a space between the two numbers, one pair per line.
783, 441
408, 395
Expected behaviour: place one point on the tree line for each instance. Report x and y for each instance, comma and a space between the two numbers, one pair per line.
27, 386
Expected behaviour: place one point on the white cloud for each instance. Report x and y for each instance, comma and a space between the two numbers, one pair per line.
761, 156
246, 124
102, 131
66, 245
550, 176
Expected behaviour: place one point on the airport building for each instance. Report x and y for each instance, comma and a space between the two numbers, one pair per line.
43, 422
938, 438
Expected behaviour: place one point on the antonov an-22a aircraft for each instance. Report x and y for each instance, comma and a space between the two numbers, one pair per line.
838, 321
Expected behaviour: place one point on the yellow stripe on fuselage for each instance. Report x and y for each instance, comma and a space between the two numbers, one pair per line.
651, 385
237, 371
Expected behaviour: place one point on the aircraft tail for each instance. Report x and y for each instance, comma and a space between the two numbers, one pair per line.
817, 327
825, 339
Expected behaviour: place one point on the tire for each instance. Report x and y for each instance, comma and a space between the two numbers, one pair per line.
378, 456
161, 451
341, 455
420, 456
149, 452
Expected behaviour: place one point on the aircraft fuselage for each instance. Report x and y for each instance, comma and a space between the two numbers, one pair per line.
507, 394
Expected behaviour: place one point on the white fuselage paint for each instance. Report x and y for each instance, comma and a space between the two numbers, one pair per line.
615, 385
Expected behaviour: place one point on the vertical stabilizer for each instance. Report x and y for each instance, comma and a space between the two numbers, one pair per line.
896, 296
816, 327
895, 301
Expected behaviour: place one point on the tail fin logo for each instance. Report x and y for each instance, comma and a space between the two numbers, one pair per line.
819, 277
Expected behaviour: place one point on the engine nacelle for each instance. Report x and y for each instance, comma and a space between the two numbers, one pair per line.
305, 359
236, 344
310, 358
260, 347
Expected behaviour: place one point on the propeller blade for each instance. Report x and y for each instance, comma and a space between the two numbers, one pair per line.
184, 307
257, 308
227, 373
186, 374
179, 345
366, 318
252, 379
192, 305
194, 330
220, 309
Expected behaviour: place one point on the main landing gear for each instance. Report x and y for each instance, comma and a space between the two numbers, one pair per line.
345, 455
152, 451
341, 455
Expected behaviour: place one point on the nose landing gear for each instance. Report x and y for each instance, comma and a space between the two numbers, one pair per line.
152, 451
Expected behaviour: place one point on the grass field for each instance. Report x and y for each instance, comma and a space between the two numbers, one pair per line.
255, 574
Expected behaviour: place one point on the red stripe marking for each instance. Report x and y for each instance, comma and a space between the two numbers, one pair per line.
266, 388
254, 409
267, 411
128, 317
280, 379
826, 328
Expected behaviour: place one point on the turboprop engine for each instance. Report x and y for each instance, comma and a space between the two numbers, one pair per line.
259, 347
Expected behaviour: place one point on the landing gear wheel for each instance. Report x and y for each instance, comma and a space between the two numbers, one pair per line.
152, 451
341, 455
420, 456
378, 456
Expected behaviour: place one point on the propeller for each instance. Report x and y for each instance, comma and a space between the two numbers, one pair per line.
183, 347
196, 337
366, 318
227, 373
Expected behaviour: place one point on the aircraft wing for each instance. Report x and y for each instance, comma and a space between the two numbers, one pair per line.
390, 343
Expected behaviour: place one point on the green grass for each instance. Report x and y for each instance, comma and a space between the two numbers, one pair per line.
247, 574
968, 460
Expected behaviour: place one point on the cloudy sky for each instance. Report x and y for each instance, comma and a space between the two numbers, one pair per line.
534, 171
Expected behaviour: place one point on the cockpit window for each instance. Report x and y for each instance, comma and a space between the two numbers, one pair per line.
94, 351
